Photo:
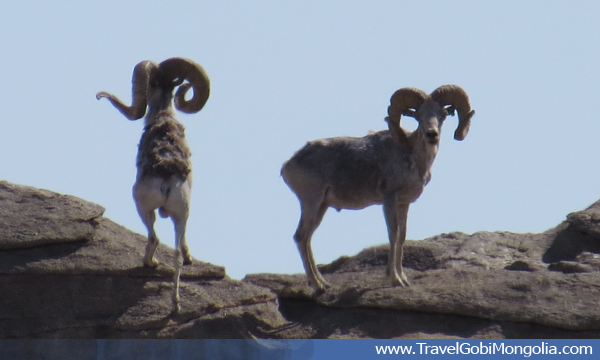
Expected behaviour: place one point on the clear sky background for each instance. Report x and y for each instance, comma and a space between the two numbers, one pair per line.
285, 72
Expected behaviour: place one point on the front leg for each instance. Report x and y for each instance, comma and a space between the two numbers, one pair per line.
395, 218
402, 213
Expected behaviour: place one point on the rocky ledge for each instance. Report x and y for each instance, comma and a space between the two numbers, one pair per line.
484, 285
68, 272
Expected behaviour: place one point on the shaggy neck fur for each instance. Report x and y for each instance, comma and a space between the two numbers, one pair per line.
423, 154
163, 150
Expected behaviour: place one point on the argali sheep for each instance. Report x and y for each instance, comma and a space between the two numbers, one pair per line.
164, 169
388, 167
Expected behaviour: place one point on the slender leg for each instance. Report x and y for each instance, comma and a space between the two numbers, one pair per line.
395, 218
177, 206
148, 218
147, 199
180, 225
185, 251
309, 221
187, 258
391, 220
402, 212
177, 266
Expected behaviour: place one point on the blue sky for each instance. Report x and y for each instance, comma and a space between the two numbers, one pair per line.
283, 73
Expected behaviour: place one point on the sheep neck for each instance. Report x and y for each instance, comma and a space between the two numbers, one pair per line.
424, 155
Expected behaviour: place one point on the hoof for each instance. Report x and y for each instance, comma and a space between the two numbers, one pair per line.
320, 291
151, 264
403, 282
404, 279
187, 258
176, 307
175, 310
321, 287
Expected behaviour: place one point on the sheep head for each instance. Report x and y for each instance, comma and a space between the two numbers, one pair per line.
433, 108
149, 76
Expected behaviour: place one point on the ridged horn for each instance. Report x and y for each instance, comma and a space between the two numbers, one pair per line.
455, 96
179, 69
400, 103
405, 99
139, 89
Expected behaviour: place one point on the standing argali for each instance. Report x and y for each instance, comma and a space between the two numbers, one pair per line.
164, 169
388, 167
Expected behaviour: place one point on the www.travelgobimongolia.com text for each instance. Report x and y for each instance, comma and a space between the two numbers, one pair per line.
484, 349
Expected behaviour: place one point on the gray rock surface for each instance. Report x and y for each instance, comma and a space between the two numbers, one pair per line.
588, 220
32, 217
68, 272
469, 286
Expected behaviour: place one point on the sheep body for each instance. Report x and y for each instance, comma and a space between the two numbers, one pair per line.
390, 167
164, 168
353, 171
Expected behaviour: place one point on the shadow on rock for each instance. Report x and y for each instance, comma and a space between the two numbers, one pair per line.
11, 260
568, 244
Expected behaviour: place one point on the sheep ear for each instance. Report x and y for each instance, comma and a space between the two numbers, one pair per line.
398, 134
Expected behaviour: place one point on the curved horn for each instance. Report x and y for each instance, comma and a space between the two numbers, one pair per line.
401, 102
179, 69
405, 99
455, 96
139, 82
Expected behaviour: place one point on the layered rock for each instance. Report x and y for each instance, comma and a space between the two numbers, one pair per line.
67, 272
498, 285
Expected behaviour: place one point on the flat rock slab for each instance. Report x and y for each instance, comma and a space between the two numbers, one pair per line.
67, 272
100, 288
113, 306
33, 217
493, 276
556, 300
114, 250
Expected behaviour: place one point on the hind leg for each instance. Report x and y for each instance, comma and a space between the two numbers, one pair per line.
312, 215
148, 218
177, 207
185, 251
180, 225
180, 241
147, 198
